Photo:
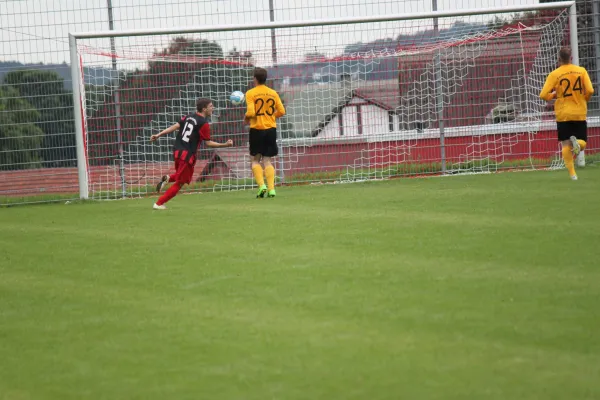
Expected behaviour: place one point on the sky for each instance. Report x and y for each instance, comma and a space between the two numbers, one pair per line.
34, 31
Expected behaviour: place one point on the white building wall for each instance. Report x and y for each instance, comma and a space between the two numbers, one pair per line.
332, 129
375, 120
350, 121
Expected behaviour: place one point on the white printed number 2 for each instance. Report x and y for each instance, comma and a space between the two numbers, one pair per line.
187, 131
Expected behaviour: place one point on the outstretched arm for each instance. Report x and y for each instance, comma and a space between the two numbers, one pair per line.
170, 129
210, 143
205, 136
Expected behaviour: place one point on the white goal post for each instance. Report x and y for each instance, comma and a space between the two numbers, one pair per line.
402, 122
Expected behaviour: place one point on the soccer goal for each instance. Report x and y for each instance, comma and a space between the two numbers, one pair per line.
366, 98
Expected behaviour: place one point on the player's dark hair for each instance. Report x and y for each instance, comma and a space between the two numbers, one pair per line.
201, 104
261, 75
565, 55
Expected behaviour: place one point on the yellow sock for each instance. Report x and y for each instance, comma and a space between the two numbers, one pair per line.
582, 144
270, 174
257, 171
568, 157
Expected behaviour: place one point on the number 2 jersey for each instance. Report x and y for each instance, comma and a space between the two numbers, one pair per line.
193, 129
263, 107
570, 84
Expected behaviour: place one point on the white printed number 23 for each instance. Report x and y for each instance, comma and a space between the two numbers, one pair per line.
187, 131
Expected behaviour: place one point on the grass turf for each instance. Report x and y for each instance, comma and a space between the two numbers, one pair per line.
483, 286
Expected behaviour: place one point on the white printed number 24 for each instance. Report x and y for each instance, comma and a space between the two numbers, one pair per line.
187, 131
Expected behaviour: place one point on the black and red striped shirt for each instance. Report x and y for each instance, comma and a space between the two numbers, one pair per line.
193, 129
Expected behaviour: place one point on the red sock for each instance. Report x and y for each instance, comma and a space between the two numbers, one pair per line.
169, 194
172, 178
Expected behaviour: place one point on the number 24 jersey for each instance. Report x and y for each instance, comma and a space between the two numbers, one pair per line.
569, 84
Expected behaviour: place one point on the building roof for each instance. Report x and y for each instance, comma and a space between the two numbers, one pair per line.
384, 93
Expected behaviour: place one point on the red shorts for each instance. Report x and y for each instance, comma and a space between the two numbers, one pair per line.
184, 170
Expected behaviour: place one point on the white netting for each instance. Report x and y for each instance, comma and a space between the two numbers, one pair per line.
363, 100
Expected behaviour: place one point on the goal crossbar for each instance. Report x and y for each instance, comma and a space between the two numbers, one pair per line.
323, 22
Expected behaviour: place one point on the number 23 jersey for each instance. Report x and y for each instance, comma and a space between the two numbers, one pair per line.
193, 129
263, 107
570, 83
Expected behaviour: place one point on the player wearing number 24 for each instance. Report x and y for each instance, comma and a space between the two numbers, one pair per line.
193, 129
570, 85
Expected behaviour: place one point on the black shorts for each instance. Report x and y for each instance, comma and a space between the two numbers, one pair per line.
263, 142
567, 129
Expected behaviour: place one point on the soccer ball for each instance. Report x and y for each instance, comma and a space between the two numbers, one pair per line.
236, 98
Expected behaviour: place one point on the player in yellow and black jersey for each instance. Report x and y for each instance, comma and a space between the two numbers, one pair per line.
263, 108
570, 85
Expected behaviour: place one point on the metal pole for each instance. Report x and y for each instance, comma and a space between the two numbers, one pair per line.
79, 132
274, 59
573, 42
273, 39
117, 99
439, 95
575, 54
596, 25
573, 34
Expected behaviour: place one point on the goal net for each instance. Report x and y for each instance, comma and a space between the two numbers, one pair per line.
364, 100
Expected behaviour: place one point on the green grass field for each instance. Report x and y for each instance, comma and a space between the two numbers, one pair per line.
469, 287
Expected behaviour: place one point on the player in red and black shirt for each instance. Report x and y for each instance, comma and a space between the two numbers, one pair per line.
193, 130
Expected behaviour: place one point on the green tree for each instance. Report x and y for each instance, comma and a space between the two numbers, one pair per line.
45, 91
20, 137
